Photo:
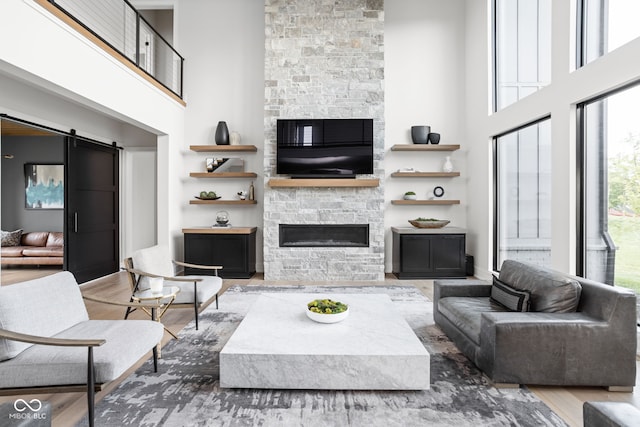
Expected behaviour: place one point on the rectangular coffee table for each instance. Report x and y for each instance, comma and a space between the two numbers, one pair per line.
277, 346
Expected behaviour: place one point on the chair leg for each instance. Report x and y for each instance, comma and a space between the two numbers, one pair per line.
91, 390
129, 309
216, 301
195, 301
155, 358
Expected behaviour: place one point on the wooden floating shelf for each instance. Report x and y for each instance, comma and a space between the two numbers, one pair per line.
223, 175
425, 202
205, 148
425, 147
328, 182
425, 174
222, 202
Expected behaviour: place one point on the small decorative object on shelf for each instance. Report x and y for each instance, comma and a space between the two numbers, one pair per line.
410, 195
208, 195
222, 133
447, 166
222, 219
419, 134
252, 192
234, 138
428, 222
438, 191
212, 164
434, 138
242, 195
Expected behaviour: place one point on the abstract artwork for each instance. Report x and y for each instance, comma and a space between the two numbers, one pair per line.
44, 186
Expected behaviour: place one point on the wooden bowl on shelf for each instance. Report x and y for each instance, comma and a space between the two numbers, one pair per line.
439, 223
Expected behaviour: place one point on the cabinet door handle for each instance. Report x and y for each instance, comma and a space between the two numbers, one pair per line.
75, 222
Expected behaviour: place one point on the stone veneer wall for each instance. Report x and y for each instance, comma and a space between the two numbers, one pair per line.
324, 59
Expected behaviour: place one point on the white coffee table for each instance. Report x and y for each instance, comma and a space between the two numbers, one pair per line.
277, 346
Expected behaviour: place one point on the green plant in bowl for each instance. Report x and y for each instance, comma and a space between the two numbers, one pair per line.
327, 306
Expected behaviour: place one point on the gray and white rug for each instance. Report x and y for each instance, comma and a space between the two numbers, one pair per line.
185, 391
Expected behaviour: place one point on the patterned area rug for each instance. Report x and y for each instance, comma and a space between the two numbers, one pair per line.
185, 391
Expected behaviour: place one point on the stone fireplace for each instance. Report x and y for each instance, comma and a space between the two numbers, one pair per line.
324, 59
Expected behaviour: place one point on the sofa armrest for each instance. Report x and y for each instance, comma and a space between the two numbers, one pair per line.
555, 348
460, 288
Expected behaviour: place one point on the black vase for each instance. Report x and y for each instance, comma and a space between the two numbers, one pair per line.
434, 138
419, 134
222, 134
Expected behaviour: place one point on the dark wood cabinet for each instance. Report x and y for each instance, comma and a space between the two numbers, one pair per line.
232, 248
429, 253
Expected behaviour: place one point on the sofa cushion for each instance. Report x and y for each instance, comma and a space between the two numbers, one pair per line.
42, 307
55, 239
466, 313
508, 297
35, 238
127, 341
11, 251
10, 238
45, 251
551, 291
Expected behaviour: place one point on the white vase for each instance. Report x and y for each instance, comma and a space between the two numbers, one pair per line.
234, 138
447, 166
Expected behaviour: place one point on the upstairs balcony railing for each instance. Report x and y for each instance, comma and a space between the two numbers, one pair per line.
120, 25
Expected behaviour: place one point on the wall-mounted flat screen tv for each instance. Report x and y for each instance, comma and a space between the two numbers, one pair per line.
320, 148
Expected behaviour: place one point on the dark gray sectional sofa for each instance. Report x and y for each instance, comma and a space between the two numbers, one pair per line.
576, 333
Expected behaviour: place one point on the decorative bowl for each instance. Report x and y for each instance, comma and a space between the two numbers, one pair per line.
327, 318
321, 317
437, 223
208, 198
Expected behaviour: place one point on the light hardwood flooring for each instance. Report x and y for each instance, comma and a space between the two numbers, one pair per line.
68, 408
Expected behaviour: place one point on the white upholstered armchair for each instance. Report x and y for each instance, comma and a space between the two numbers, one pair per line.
196, 291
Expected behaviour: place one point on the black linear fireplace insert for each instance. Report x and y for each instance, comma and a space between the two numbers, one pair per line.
324, 235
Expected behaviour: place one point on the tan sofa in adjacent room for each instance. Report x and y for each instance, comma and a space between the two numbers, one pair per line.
34, 248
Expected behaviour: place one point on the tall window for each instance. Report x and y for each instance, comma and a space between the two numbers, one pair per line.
606, 25
523, 195
610, 189
522, 49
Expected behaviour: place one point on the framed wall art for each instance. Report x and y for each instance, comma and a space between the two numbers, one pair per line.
44, 186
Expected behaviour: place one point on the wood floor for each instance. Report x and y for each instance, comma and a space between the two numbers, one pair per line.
68, 408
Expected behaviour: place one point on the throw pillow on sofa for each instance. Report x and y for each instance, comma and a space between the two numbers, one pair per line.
11, 238
508, 297
551, 291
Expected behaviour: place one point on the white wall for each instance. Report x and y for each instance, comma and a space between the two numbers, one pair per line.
559, 99
424, 73
223, 43
61, 80
138, 207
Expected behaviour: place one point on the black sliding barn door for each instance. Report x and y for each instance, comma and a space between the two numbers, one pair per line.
91, 209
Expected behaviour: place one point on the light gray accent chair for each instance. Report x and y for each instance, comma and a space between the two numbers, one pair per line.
610, 414
49, 344
196, 291
578, 332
